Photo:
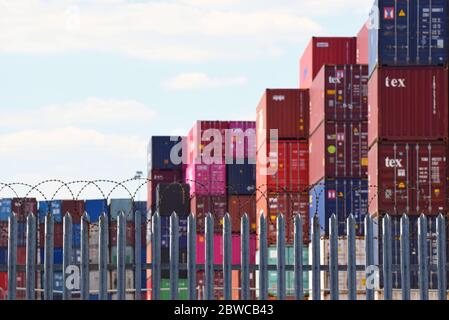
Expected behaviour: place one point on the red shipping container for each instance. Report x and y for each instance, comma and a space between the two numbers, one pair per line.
218, 284
206, 180
130, 234
408, 177
202, 205
3, 234
288, 167
339, 93
408, 103
363, 44
23, 206
325, 50
285, 110
243, 140
339, 150
58, 235
237, 207
289, 205
75, 208
197, 141
157, 177
20, 283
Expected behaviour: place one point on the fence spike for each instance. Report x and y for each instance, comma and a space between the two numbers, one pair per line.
138, 255
245, 257
352, 273
298, 247
316, 267
263, 258
67, 255
387, 258
156, 257
209, 267
441, 249
422, 258
174, 256
191, 262
281, 256
103, 256
405, 257
12, 256
48, 258
121, 256
31, 257
333, 258
227, 257
369, 259
84, 266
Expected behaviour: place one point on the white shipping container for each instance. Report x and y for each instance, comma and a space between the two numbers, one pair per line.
94, 281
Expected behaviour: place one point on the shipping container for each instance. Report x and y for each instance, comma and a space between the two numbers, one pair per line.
284, 110
206, 179
363, 44
202, 205
182, 232
165, 152
20, 253
165, 260
339, 150
237, 207
75, 208
118, 206
341, 197
408, 177
290, 205
130, 234
173, 198
339, 93
24, 206
183, 286
218, 285
241, 179
95, 208
201, 144
242, 144
157, 177
142, 207
129, 255
58, 235
325, 50
21, 234
408, 33
5, 209
408, 104
287, 169
20, 283
54, 207
237, 285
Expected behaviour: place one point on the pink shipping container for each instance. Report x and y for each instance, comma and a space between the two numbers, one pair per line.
246, 147
408, 104
339, 93
206, 180
197, 141
218, 249
363, 44
339, 150
325, 50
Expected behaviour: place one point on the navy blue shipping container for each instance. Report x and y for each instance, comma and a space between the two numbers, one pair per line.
141, 206
3, 255
5, 209
165, 260
54, 207
165, 232
241, 179
57, 255
95, 297
341, 197
76, 235
160, 150
95, 208
173, 198
21, 234
408, 33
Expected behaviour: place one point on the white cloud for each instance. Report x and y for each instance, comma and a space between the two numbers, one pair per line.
196, 80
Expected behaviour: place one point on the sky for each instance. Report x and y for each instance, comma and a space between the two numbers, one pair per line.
84, 84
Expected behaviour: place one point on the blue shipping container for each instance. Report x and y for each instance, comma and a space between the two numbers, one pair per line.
122, 205
165, 232
3, 255
141, 206
160, 150
241, 179
5, 209
21, 234
341, 197
54, 207
95, 208
57, 255
408, 33
76, 235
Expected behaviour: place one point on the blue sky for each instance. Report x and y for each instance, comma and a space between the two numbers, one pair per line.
85, 83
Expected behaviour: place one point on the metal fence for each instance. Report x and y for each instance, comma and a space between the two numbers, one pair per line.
315, 268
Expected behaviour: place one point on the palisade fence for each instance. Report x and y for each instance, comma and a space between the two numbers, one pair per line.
298, 267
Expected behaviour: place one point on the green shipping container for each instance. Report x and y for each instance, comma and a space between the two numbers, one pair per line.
182, 289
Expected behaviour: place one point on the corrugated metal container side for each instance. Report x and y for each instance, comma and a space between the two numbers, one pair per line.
341, 197
242, 148
21, 234
121, 205
339, 93
408, 104
141, 206
363, 44
289, 205
130, 233
408, 177
21, 256
173, 198
196, 143
165, 232
339, 150
288, 164
54, 207
202, 205
165, 259
285, 110
160, 149
325, 50
5, 209
157, 177
218, 284
95, 208
23, 206
75, 208
182, 289
404, 33
237, 284
58, 236
129, 255
241, 179
237, 207
206, 179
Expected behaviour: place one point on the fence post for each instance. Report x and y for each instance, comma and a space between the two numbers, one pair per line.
333, 258
156, 257
422, 258
84, 288
191, 263
405, 257
31, 257
245, 258
209, 267
281, 256
67, 255
174, 256
316, 266
441, 248
121, 256
227, 257
369, 259
263, 258
138, 255
12, 256
103, 256
298, 247
48, 258
352, 273
387, 258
